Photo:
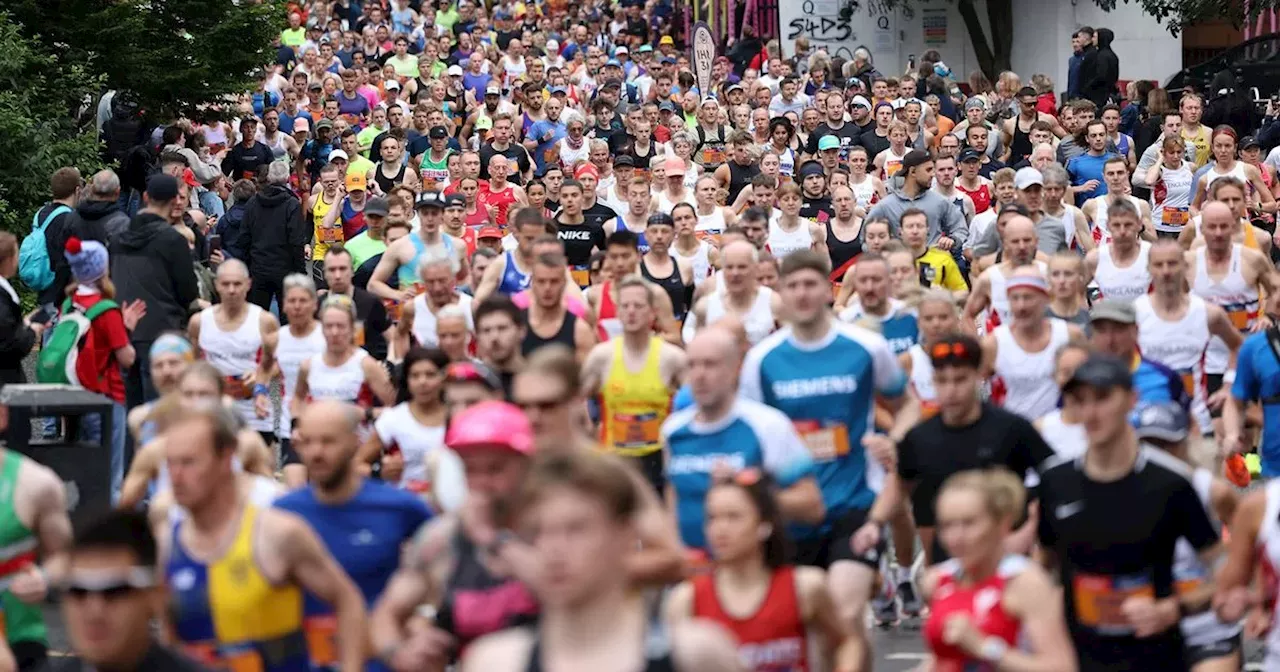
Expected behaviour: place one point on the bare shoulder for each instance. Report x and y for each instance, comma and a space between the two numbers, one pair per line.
703, 646
500, 651
35, 479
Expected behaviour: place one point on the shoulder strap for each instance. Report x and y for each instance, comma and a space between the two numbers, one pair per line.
36, 224
102, 306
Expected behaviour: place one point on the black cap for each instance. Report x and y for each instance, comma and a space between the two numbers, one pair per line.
970, 154
811, 168
429, 199
914, 158
455, 200
162, 188
624, 161
379, 206
1249, 142
660, 219
438, 133
611, 84
1101, 371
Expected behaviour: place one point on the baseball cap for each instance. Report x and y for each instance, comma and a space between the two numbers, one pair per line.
355, 181
914, 158
975, 103
559, 89
391, 84
472, 371
301, 125
1249, 142
493, 90
315, 86
1027, 177
429, 199
454, 71
1100, 371
666, 106
621, 50
438, 133
667, 60
645, 48
970, 154
1162, 421
455, 200
338, 154
488, 232
674, 166
624, 161
666, 39
491, 424
733, 87
828, 142
861, 101
324, 123
1113, 310
613, 62
162, 188
378, 206
483, 124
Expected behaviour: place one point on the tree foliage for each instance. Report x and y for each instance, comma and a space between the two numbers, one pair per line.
174, 55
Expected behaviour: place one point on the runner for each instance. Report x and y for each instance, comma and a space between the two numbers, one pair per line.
826, 377
635, 375
548, 318
938, 318
499, 195
326, 232
658, 265
876, 235
1115, 173
511, 272
639, 205
1021, 352
169, 356
437, 273
1066, 290
788, 231
403, 257
1225, 164
991, 291
936, 268
237, 338
299, 342
713, 218
622, 258
1171, 181
770, 606
701, 256
360, 521
758, 307
1231, 192
499, 335
1119, 269
897, 321
579, 236
1061, 428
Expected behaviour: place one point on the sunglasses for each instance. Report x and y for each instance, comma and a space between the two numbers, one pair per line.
540, 405
944, 350
108, 584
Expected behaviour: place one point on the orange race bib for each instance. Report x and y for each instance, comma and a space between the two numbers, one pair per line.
891, 168
1099, 600
1175, 216
359, 333
712, 237
581, 275
322, 636
1188, 586
329, 235
1241, 318
713, 155
827, 440
230, 659
238, 388
1189, 382
637, 433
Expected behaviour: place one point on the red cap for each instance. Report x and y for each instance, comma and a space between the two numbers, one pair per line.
587, 169
488, 232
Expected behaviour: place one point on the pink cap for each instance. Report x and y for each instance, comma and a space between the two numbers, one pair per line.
491, 424
674, 166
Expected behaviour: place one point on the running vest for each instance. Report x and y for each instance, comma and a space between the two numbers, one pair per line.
226, 614
399, 431
758, 320
435, 170
1068, 441
710, 152
842, 253
291, 352
774, 637
513, 279
1028, 376
608, 326
352, 220
407, 273
922, 380
1239, 300
22, 622
864, 191
699, 261
739, 177
980, 602
323, 237
1101, 234
981, 196
278, 151
620, 224
1237, 171
500, 202
666, 205
424, 321
477, 603
344, 382
563, 336
782, 242
1000, 292
1180, 345
673, 285
1124, 284
234, 354
1171, 198
1189, 573
892, 162
710, 226
634, 404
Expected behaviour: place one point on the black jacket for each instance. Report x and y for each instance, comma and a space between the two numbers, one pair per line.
1100, 70
97, 220
151, 261
1229, 105
229, 227
16, 340
272, 234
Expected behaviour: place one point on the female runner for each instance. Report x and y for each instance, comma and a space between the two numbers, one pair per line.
770, 606
1172, 181
409, 437
300, 341
985, 606
1223, 143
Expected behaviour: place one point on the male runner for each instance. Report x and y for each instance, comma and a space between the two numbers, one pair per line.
1115, 172
622, 259
759, 308
548, 319
990, 291
437, 275
1118, 266
401, 257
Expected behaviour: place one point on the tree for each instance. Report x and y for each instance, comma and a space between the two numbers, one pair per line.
174, 55
40, 91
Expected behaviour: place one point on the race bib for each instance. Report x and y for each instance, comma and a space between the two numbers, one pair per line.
826, 440
1189, 382
891, 168
1099, 600
1188, 585
637, 433
1175, 216
711, 236
237, 388
713, 155
1241, 317
329, 235
359, 333
581, 275
393, 309
322, 635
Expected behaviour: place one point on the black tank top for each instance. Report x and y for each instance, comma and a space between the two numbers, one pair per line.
657, 650
739, 177
841, 251
564, 336
673, 285
1020, 148
420, 92
493, 603
388, 183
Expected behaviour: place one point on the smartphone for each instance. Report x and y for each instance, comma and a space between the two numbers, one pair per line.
215, 242
911, 61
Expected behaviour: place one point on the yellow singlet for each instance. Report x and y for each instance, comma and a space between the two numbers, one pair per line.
634, 404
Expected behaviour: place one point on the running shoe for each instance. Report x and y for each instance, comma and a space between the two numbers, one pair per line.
912, 607
884, 608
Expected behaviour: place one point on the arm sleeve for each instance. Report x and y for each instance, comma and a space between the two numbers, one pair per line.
908, 470
16, 339
953, 224
1033, 450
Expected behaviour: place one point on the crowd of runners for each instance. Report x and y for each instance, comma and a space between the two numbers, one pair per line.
481, 338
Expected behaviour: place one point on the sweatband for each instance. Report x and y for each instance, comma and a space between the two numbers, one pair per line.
172, 344
1027, 282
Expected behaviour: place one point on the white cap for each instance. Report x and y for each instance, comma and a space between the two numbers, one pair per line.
621, 50
455, 71
861, 100
338, 154
392, 84
1027, 177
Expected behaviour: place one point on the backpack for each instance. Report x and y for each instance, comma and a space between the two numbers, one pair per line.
34, 266
57, 360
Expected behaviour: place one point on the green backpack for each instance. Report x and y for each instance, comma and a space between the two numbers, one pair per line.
57, 360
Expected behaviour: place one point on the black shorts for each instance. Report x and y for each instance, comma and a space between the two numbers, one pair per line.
288, 455
1220, 649
1213, 383
651, 469
836, 544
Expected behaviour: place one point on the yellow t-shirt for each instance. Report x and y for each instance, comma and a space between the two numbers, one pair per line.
1198, 147
939, 269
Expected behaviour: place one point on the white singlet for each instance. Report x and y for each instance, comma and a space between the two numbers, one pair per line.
424, 321
1127, 283
864, 191
1171, 198
570, 156
922, 375
1237, 171
666, 205
1000, 291
893, 162
344, 382
710, 225
291, 352
758, 321
1203, 628
1237, 298
1101, 234
699, 261
782, 242
233, 354
1028, 376
397, 428
1269, 547
1068, 218
1180, 346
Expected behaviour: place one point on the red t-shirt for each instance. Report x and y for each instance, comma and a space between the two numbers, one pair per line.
97, 367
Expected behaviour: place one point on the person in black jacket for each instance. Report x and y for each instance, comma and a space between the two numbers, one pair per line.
1229, 105
152, 262
17, 334
1100, 70
273, 236
98, 215
248, 156
109, 596
230, 225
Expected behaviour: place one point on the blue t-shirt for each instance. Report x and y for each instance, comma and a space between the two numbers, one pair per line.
1258, 379
547, 133
751, 435
828, 389
899, 326
357, 106
1157, 383
1088, 167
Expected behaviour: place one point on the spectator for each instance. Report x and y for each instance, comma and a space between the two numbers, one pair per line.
65, 187
1081, 45
1230, 105
249, 155
272, 236
17, 334
1134, 111
947, 228
99, 217
1100, 70
230, 225
1149, 131
152, 262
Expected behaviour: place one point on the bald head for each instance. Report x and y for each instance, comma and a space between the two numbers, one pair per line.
232, 268
1021, 226
716, 343
329, 415
1216, 211
740, 252
733, 325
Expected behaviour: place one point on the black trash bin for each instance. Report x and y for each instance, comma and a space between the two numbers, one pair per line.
85, 468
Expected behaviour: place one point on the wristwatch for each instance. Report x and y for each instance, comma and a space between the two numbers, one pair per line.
993, 649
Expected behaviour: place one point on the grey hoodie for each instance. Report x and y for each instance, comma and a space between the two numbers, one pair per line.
944, 216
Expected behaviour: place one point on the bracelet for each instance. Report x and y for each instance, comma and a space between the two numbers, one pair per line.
259, 388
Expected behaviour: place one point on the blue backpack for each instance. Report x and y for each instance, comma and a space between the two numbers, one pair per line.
33, 256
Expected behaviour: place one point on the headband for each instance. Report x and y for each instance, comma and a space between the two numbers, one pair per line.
1027, 282
587, 169
174, 345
